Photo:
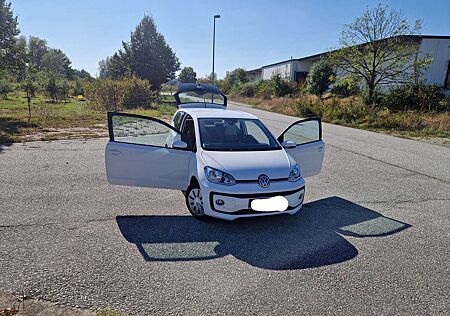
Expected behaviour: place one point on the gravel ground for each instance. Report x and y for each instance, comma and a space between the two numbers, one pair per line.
371, 239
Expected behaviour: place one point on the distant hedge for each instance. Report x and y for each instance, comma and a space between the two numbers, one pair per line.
115, 95
417, 97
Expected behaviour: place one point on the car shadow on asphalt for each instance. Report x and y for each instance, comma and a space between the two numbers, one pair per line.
311, 238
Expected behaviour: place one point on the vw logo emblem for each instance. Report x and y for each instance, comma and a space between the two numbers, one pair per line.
263, 181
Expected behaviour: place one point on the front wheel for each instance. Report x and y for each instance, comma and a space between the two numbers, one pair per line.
194, 201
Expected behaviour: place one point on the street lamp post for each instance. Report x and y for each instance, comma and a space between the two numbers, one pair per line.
217, 16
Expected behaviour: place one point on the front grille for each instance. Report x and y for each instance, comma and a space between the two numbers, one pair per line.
249, 211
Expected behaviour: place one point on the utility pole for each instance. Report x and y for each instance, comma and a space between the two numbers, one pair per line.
217, 16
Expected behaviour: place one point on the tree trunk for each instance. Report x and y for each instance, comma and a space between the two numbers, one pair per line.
371, 96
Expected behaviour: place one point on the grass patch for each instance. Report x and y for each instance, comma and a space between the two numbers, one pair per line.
352, 112
50, 121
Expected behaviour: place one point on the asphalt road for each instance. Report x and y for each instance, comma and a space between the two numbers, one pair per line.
372, 238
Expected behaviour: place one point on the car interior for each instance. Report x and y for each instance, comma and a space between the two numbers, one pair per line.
218, 133
188, 133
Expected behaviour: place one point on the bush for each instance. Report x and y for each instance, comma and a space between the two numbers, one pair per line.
115, 95
106, 94
418, 97
245, 90
63, 90
264, 90
319, 77
445, 103
346, 87
52, 88
6, 87
333, 110
223, 85
78, 88
137, 93
374, 100
353, 112
281, 87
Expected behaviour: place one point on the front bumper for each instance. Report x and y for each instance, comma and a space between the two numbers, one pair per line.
237, 199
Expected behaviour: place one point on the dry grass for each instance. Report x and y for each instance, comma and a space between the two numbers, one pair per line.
50, 121
353, 112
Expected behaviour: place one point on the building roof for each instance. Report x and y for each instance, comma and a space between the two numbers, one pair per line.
253, 70
419, 37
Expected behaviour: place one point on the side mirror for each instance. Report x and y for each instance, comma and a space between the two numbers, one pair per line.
288, 144
179, 144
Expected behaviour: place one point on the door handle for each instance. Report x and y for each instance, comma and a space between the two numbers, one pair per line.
320, 149
115, 152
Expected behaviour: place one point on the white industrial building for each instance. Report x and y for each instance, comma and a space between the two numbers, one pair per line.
438, 71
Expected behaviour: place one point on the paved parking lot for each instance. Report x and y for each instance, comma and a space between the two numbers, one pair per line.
372, 237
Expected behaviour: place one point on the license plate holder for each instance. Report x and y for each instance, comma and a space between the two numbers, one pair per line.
271, 204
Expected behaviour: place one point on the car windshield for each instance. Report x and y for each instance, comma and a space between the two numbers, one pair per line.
235, 134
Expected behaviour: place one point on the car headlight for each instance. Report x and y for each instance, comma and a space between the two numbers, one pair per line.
295, 174
220, 177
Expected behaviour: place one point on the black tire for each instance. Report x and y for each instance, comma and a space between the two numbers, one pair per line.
193, 197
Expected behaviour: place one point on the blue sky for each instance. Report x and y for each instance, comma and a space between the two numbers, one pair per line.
249, 34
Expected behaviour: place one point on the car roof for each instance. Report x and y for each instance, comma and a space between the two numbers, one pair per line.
219, 113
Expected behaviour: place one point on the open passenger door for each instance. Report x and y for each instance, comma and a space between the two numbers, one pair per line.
309, 148
145, 152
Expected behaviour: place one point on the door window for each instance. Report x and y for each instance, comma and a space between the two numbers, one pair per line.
304, 131
136, 129
255, 134
310, 149
188, 133
178, 119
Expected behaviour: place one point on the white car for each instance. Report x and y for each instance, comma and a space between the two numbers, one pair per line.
227, 163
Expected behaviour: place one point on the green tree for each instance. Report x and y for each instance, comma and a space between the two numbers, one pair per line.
8, 31
345, 86
55, 86
236, 77
320, 76
78, 88
51, 88
30, 85
281, 87
146, 55
57, 63
187, 74
149, 56
37, 48
63, 90
115, 67
22, 58
6, 84
82, 74
377, 49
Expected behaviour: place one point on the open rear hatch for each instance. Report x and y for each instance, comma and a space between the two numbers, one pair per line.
193, 95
